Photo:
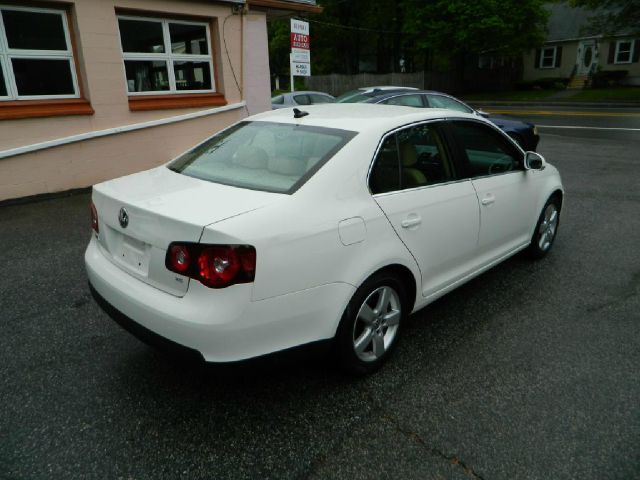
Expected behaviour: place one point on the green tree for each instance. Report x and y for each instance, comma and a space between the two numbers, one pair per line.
614, 16
448, 28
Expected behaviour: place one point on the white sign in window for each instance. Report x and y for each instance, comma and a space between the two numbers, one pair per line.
166, 56
36, 57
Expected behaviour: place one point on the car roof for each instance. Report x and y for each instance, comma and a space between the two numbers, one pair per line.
358, 117
387, 94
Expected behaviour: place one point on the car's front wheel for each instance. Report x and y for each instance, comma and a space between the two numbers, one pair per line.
546, 229
371, 323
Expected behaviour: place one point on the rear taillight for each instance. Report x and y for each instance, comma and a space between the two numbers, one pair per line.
94, 218
216, 266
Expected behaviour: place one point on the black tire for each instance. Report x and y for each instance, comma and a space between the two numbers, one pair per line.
539, 247
352, 327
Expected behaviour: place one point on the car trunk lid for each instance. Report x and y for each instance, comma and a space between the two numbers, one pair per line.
141, 214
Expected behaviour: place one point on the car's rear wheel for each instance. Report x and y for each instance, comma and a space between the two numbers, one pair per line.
371, 324
546, 229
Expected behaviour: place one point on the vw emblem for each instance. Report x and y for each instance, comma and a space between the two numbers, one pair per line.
123, 218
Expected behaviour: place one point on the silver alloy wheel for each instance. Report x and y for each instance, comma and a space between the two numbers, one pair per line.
548, 227
376, 324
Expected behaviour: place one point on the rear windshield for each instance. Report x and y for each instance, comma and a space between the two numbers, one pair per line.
272, 157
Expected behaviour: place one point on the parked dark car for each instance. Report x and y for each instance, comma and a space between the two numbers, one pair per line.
525, 134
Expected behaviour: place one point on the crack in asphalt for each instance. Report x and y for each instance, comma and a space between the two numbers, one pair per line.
452, 459
630, 290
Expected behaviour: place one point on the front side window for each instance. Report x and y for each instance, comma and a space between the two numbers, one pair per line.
624, 51
487, 152
278, 100
411, 158
272, 157
166, 56
548, 57
440, 101
36, 57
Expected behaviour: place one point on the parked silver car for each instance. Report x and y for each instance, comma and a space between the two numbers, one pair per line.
293, 99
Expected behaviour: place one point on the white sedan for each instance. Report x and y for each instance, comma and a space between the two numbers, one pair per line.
330, 224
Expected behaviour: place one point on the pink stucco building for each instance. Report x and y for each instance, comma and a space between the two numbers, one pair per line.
94, 89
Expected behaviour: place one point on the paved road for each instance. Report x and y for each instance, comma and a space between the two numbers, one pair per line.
584, 122
530, 371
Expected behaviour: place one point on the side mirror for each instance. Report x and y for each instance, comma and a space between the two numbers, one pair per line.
534, 161
482, 113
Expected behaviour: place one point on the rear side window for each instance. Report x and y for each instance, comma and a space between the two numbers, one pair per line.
316, 98
487, 152
406, 100
302, 99
440, 101
411, 158
272, 157
279, 100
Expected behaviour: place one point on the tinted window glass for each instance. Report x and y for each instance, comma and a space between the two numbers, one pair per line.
406, 100
34, 30
274, 157
423, 158
385, 175
146, 75
486, 150
279, 100
354, 96
316, 98
43, 77
192, 75
141, 36
440, 101
302, 99
188, 39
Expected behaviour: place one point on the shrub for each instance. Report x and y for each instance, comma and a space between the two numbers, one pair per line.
608, 78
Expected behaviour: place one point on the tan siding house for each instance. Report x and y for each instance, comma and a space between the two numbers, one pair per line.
94, 89
572, 49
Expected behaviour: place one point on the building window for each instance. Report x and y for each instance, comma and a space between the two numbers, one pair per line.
624, 51
166, 56
36, 56
548, 57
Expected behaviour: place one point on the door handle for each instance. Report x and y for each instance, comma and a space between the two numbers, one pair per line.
488, 200
412, 220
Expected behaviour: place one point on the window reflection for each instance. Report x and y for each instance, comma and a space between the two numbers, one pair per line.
139, 36
188, 39
192, 75
146, 76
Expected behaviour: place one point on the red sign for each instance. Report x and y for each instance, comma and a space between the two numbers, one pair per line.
299, 40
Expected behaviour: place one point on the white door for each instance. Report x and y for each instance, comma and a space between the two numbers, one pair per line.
586, 57
433, 212
505, 191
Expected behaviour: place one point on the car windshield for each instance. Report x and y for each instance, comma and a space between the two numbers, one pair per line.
353, 96
267, 156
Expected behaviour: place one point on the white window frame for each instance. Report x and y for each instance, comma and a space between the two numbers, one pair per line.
168, 56
7, 54
553, 58
631, 43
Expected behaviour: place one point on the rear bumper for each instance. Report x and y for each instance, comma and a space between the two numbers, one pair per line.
222, 325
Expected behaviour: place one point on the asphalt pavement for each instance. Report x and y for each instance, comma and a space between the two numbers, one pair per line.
530, 371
